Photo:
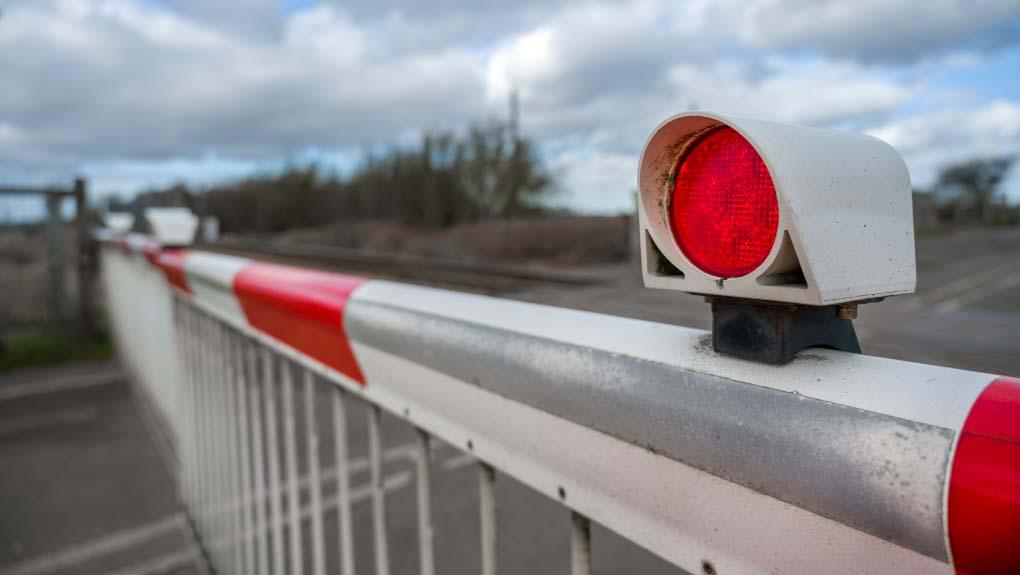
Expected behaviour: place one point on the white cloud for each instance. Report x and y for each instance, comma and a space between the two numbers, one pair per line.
252, 18
121, 177
809, 91
872, 29
117, 78
930, 141
599, 79
132, 87
602, 182
612, 72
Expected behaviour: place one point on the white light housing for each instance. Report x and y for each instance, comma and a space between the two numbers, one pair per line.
119, 222
172, 226
842, 215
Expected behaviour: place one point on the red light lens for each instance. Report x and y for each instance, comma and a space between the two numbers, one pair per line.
724, 211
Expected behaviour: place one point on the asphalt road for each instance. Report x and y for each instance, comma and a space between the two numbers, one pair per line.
965, 313
86, 487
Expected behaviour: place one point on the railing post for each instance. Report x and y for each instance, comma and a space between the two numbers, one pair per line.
314, 473
426, 551
382, 557
291, 469
487, 508
580, 544
55, 251
257, 385
246, 374
273, 453
86, 263
343, 483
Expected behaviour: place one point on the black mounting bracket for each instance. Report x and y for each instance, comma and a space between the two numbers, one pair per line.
775, 332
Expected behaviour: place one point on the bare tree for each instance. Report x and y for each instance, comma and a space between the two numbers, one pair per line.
975, 183
449, 179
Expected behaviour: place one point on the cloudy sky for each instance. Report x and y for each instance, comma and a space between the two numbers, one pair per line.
141, 93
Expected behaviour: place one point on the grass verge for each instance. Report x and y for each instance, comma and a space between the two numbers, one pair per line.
40, 349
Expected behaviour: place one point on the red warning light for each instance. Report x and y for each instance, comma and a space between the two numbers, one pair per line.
724, 213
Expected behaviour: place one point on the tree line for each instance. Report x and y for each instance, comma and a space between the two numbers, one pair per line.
967, 193
447, 179
451, 178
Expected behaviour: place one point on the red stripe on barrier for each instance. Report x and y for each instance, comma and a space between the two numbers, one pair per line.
984, 488
171, 261
151, 251
302, 308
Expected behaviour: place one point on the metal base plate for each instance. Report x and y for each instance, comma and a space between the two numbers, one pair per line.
775, 333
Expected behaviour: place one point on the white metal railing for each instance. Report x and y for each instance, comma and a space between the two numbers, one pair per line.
240, 418
835, 463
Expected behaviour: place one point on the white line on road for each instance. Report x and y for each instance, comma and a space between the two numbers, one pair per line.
391, 482
161, 565
96, 548
120, 540
54, 385
978, 293
40, 422
395, 481
356, 465
960, 286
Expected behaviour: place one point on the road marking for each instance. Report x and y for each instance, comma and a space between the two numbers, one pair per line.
39, 422
120, 540
193, 545
977, 293
58, 384
960, 286
356, 465
392, 482
96, 548
161, 565
458, 462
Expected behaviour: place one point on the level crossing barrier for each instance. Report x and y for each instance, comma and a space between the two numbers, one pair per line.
834, 463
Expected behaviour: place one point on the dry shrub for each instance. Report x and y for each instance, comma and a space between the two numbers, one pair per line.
564, 240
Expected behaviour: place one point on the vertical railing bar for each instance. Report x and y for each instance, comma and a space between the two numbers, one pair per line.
426, 553
382, 559
290, 455
258, 453
487, 508
272, 438
244, 445
220, 539
175, 324
343, 483
196, 415
580, 544
191, 381
211, 465
208, 465
312, 437
196, 398
182, 426
226, 493
204, 405
236, 493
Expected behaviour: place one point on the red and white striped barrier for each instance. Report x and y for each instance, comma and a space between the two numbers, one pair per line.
835, 463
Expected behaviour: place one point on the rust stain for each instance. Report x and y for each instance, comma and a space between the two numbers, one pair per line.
667, 162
